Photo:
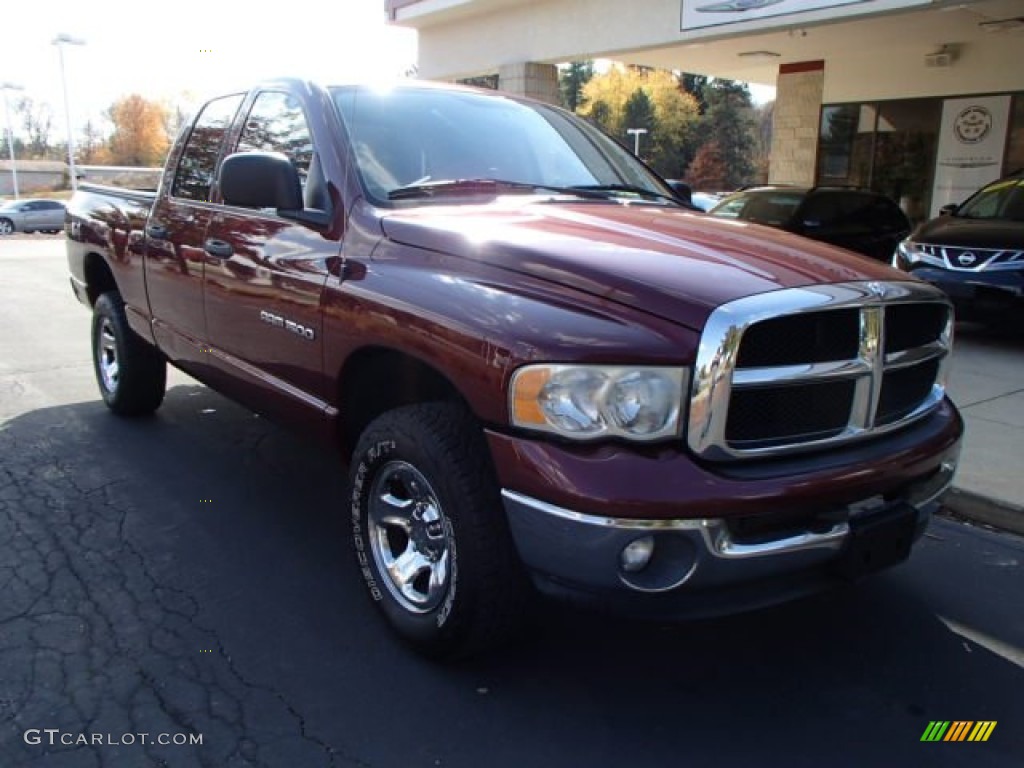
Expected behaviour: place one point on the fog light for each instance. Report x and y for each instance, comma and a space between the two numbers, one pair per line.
637, 554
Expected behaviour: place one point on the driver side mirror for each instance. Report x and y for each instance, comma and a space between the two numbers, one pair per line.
260, 180
266, 180
949, 210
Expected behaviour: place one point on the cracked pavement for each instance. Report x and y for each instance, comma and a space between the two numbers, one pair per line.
190, 573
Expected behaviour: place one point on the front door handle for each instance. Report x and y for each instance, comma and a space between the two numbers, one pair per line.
218, 248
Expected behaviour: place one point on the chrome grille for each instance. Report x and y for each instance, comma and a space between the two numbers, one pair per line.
802, 368
972, 259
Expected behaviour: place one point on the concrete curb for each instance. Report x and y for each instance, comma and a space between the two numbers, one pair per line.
978, 508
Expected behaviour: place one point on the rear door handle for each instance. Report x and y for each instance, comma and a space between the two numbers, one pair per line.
218, 248
157, 231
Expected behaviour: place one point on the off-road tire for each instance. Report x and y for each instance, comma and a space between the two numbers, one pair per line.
135, 384
486, 597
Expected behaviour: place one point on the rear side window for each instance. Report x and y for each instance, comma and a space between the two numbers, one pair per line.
276, 123
198, 164
772, 208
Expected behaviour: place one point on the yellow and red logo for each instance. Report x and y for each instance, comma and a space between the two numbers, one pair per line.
958, 730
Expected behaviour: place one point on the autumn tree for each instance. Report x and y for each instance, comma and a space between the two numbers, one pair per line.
140, 136
695, 86
92, 145
672, 123
709, 169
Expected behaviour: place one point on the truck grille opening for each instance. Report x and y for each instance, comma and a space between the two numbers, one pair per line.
805, 367
904, 390
796, 339
913, 325
802, 412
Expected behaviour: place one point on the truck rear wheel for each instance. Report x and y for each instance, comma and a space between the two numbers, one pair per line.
430, 536
131, 374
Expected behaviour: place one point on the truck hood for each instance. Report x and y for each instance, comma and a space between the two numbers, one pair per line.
672, 263
971, 233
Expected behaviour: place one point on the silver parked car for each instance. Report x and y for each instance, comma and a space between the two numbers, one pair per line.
31, 216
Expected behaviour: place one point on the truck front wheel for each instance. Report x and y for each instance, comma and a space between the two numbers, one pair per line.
430, 536
132, 374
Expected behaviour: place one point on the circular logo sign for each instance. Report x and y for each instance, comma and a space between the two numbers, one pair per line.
972, 124
966, 259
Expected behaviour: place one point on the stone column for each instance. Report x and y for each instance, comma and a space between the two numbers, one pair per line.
528, 78
795, 124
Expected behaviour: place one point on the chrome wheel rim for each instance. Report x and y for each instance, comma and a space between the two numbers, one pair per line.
106, 354
409, 537
6, 227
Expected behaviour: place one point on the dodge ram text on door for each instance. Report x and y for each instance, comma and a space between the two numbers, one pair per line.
544, 372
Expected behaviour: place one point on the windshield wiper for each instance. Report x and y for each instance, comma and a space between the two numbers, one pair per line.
629, 189
484, 187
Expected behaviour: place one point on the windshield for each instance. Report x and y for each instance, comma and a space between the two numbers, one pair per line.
410, 136
1002, 200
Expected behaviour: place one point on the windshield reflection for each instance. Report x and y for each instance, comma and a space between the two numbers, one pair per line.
410, 135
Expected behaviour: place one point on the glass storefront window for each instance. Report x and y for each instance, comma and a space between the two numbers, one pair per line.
887, 147
905, 146
1014, 158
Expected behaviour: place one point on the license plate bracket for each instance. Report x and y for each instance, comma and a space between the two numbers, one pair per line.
878, 540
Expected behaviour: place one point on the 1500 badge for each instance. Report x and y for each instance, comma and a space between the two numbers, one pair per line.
289, 325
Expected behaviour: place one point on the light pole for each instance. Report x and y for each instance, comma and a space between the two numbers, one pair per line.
60, 41
5, 87
637, 132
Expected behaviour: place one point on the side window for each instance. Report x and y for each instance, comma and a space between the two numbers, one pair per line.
198, 164
821, 211
276, 123
885, 215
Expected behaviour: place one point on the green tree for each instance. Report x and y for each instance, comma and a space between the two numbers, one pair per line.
571, 80
729, 122
695, 86
638, 113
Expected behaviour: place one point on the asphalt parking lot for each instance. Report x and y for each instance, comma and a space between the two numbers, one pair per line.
190, 575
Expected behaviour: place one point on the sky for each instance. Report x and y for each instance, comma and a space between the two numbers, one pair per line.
190, 49
187, 51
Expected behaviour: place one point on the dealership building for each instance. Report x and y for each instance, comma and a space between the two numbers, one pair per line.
923, 101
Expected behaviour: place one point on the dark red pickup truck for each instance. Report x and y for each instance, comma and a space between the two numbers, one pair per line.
546, 372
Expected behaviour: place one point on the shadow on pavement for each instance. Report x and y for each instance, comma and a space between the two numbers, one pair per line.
191, 573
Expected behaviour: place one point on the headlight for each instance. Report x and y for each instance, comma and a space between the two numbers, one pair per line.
586, 402
908, 252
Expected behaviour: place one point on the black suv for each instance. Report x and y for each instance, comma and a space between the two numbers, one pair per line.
856, 219
974, 251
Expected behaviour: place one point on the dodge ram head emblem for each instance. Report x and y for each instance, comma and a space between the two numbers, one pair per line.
966, 259
878, 290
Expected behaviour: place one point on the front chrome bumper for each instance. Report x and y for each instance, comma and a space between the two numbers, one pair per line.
582, 552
